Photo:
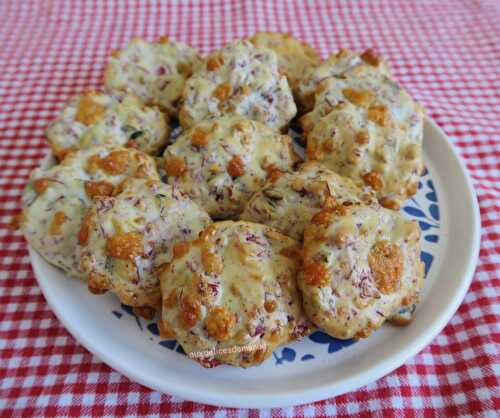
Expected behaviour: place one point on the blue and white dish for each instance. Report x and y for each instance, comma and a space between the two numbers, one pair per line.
319, 366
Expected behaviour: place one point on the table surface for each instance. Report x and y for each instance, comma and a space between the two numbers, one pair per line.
446, 53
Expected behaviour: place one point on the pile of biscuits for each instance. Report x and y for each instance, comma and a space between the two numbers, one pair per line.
218, 226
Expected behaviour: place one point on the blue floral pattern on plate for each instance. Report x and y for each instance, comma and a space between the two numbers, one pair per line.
423, 207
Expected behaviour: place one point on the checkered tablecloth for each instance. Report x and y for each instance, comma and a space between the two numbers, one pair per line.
446, 53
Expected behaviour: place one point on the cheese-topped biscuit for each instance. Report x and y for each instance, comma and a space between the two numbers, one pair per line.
239, 79
94, 118
102, 164
52, 214
361, 265
369, 129
295, 57
154, 71
124, 238
337, 65
231, 297
220, 163
55, 200
288, 202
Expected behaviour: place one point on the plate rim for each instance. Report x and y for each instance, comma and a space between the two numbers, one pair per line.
318, 392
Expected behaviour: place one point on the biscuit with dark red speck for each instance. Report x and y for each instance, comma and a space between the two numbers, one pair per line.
295, 57
95, 118
289, 202
361, 266
56, 199
154, 71
368, 128
231, 297
221, 162
126, 238
338, 65
239, 79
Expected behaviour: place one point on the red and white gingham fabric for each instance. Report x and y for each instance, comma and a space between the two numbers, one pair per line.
445, 52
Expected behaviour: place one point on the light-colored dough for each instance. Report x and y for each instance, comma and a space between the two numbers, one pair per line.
55, 200
295, 58
361, 265
340, 64
368, 128
289, 202
221, 162
125, 238
241, 79
154, 71
95, 118
231, 297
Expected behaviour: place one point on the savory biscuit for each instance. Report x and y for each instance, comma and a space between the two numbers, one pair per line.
55, 200
124, 238
154, 71
52, 213
361, 86
221, 162
241, 79
95, 118
104, 167
361, 265
369, 129
337, 65
288, 202
295, 57
231, 296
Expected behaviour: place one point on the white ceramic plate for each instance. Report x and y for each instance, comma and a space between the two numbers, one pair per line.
318, 367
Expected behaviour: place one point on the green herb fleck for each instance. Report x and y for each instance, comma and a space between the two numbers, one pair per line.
109, 263
136, 134
273, 197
